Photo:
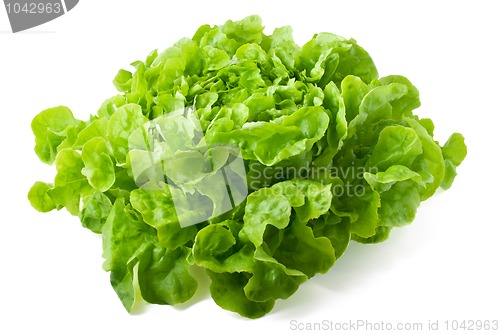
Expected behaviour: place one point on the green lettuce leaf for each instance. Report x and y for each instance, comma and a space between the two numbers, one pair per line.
158, 210
454, 152
51, 127
123, 234
163, 275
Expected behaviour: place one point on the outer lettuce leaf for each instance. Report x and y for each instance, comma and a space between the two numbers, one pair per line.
40, 198
454, 152
381, 234
95, 129
95, 211
121, 125
364, 213
396, 145
218, 249
248, 30
375, 105
430, 164
335, 228
271, 279
353, 90
227, 290
164, 277
408, 102
123, 234
304, 252
99, 165
69, 183
264, 207
331, 58
109, 106
51, 128
399, 204
157, 208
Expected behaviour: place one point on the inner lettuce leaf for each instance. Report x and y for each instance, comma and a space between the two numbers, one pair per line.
247, 155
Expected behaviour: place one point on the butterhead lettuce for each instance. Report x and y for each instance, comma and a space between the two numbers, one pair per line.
330, 152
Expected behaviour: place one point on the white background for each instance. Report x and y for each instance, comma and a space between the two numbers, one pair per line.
445, 266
